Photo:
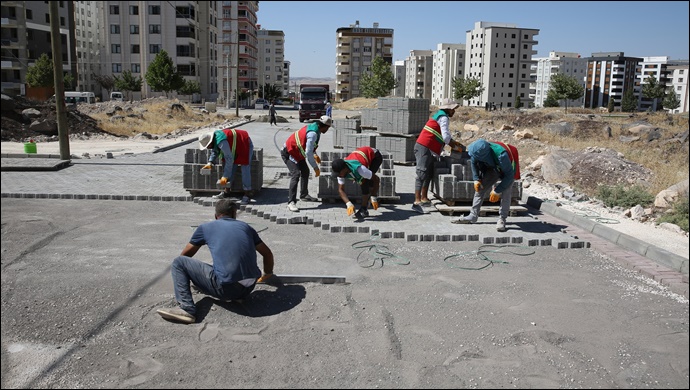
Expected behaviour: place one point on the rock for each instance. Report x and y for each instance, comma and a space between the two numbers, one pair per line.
671, 227
45, 127
30, 114
560, 128
666, 198
7, 103
470, 127
523, 134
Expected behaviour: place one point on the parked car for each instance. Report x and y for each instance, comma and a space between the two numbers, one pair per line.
261, 103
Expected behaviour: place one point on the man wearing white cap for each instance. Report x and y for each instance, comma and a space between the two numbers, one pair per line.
234, 147
430, 143
299, 149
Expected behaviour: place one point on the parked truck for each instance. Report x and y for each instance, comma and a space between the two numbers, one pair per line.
312, 101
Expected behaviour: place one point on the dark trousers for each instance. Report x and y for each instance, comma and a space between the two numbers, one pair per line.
299, 173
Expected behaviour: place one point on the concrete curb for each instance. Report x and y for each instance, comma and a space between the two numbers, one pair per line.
658, 255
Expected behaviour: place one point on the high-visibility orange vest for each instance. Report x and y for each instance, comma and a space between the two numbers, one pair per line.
431, 136
296, 144
239, 144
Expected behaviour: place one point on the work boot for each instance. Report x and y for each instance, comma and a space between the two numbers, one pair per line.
308, 198
245, 200
177, 314
361, 213
501, 225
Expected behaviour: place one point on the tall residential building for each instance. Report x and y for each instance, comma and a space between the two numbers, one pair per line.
89, 45
286, 78
209, 56
418, 72
356, 48
271, 58
500, 56
26, 35
569, 64
239, 48
679, 83
399, 75
659, 68
448, 64
609, 76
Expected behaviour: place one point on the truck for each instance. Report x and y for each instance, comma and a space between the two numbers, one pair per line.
312, 101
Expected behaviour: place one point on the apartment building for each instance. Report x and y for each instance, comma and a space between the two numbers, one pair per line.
239, 50
25, 36
500, 56
89, 45
399, 75
271, 59
609, 76
209, 56
678, 83
418, 72
286, 78
447, 65
356, 48
569, 64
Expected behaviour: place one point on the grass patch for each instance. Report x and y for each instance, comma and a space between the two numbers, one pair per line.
678, 215
621, 196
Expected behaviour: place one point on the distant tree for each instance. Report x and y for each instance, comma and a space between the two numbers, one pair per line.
190, 87
628, 103
128, 83
612, 104
551, 99
671, 101
271, 92
517, 101
162, 74
106, 81
379, 81
68, 80
466, 88
41, 74
652, 89
566, 88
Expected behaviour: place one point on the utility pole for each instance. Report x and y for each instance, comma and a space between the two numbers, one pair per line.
227, 81
60, 109
237, 74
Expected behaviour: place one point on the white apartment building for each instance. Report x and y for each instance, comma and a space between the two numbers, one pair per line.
500, 56
286, 78
89, 45
448, 64
271, 59
356, 48
418, 72
569, 64
678, 83
399, 75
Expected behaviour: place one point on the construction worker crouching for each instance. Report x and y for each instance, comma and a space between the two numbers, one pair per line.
360, 166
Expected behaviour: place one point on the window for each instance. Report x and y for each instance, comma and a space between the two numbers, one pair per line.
185, 50
114, 9
154, 49
136, 68
29, 14
47, 18
154, 28
136, 49
512, 46
114, 28
115, 48
134, 29
117, 68
154, 9
134, 10
512, 36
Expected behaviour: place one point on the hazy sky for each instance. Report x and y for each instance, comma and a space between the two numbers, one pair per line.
639, 29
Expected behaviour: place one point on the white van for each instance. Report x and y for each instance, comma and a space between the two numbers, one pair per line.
117, 96
72, 97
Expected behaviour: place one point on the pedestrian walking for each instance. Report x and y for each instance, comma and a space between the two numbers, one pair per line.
300, 149
272, 114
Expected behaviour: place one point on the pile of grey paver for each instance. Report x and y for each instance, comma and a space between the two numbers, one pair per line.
195, 182
328, 184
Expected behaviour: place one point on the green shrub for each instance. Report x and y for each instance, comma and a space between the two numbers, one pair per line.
678, 214
618, 195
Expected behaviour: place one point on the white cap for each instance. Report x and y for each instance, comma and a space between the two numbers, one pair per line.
205, 140
326, 120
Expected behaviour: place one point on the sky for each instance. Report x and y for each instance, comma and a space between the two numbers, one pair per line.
638, 29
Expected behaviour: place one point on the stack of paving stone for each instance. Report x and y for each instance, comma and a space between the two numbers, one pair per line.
195, 182
453, 181
342, 128
398, 122
328, 184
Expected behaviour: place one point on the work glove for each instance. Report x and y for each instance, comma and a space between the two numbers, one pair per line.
264, 278
374, 202
459, 147
317, 172
223, 181
494, 197
206, 169
317, 158
350, 209
478, 185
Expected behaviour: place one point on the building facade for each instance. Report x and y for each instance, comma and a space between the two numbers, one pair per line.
448, 64
399, 75
679, 84
89, 45
569, 64
356, 48
418, 72
272, 59
609, 76
26, 35
500, 56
